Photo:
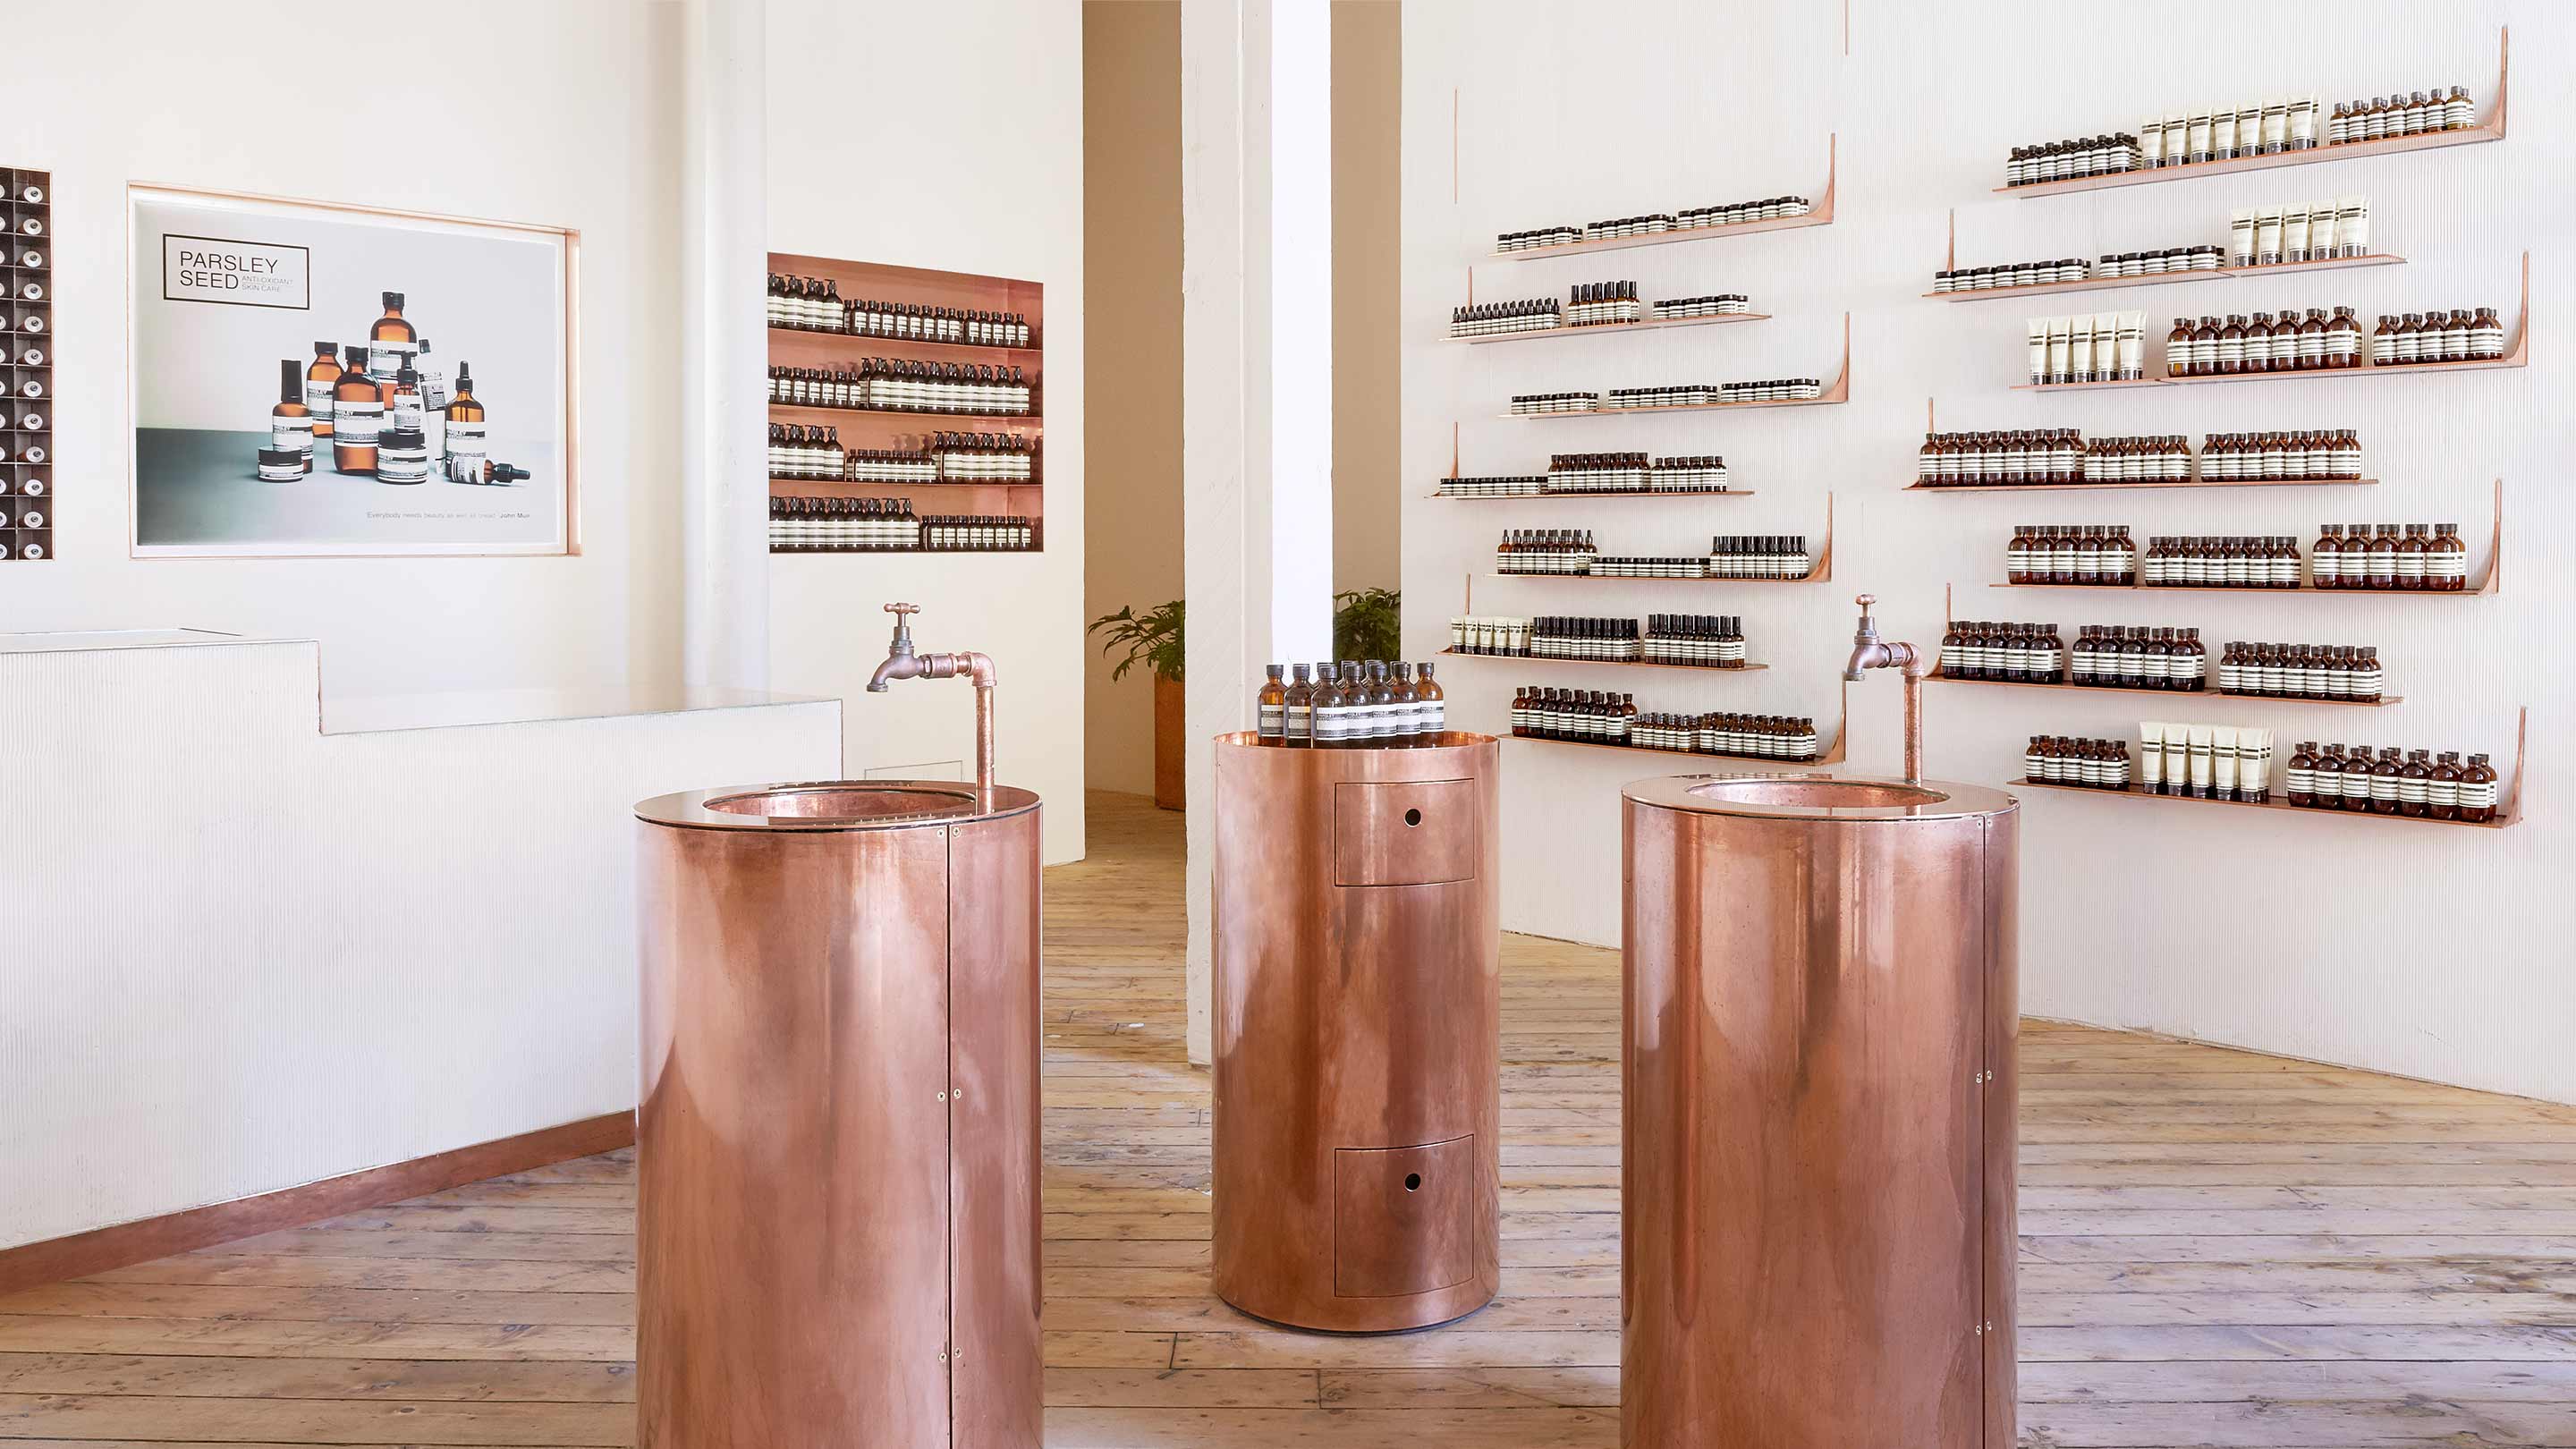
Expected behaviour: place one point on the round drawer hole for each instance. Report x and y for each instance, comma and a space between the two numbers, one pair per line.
1413, 1182
1412, 817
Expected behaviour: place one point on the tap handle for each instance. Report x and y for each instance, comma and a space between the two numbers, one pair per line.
902, 626
1868, 625
1864, 600
902, 609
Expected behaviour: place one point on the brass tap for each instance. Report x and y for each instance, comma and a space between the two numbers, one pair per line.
1870, 652
902, 663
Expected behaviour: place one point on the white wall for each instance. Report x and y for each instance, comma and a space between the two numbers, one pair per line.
2427, 952
558, 114
245, 955
909, 169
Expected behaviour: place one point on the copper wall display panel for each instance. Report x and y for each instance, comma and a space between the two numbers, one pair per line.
1358, 1098
837, 1203
1816, 1231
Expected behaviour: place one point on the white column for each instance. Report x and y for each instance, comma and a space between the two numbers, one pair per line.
724, 344
1256, 390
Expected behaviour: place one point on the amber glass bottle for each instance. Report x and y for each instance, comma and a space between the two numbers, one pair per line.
318, 379
357, 415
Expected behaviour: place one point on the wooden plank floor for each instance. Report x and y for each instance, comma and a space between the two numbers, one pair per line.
2219, 1249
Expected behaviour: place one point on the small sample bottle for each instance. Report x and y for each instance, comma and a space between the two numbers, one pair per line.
1297, 709
1271, 709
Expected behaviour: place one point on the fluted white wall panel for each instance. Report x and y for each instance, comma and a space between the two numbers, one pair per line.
2440, 954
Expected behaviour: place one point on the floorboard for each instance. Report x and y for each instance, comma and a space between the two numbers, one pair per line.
2221, 1250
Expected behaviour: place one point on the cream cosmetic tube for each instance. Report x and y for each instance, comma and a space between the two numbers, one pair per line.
2321, 230
2151, 143
2177, 128
2151, 756
2352, 229
2177, 760
2255, 783
2222, 749
2079, 349
2196, 136
2039, 349
2240, 239
2303, 124
2294, 234
2222, 134
2133, 345
2203, 759
2059, 343
2267, 237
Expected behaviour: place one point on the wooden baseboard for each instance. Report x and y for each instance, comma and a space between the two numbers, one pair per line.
56, 1259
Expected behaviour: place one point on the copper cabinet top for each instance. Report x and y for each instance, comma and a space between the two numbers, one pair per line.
825, 805
1818, 796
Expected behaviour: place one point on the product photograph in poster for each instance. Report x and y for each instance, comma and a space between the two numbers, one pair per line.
422, 402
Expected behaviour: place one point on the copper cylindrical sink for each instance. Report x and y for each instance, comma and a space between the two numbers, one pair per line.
1358, 995
1816, 1209
837, 1211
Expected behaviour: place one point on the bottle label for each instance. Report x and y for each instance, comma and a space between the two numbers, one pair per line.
317, 401
1274, 721
356, 423
1435, 717
2411, 791
465, 439
291, 435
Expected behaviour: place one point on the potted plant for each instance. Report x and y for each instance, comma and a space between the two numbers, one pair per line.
1368, 624
1153, 639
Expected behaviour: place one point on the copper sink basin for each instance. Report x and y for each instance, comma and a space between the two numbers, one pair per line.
1812, 794
849, 800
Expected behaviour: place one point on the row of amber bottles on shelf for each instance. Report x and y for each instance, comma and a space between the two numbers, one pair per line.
814, 304
1360, 704
2416, 782
2063, 455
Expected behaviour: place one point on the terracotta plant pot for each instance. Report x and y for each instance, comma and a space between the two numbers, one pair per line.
1171, 755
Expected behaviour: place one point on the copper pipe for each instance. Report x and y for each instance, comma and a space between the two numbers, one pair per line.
902, 663
1869, 652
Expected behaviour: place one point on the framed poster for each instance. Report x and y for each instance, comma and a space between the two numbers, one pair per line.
315, 379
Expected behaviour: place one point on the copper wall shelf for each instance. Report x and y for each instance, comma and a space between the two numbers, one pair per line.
1596, 329
1837, 391
812, 414
2508, 803
2195, 695
1832, 754
2492, 129
1932, 424
1605, 493
1822, 214
2159, 279
1745, 668
2516, 355
2492, 583
855, 345
2192, 482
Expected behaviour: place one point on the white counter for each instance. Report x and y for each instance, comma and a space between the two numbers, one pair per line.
259, 936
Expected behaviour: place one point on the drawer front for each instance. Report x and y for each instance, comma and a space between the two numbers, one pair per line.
1405, 832
1404, 1218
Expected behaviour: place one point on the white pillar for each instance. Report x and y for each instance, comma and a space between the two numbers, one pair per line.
724, 344
1256, 389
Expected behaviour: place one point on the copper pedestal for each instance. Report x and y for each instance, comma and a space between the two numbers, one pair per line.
837, 1217
1358, 1032
1816, 1210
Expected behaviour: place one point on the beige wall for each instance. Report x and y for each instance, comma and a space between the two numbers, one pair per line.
1368, 84
1131, 62
1132, 292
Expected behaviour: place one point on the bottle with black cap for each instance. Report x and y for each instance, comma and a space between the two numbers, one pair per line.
390, 341
466, 448
290, 423
357, 415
